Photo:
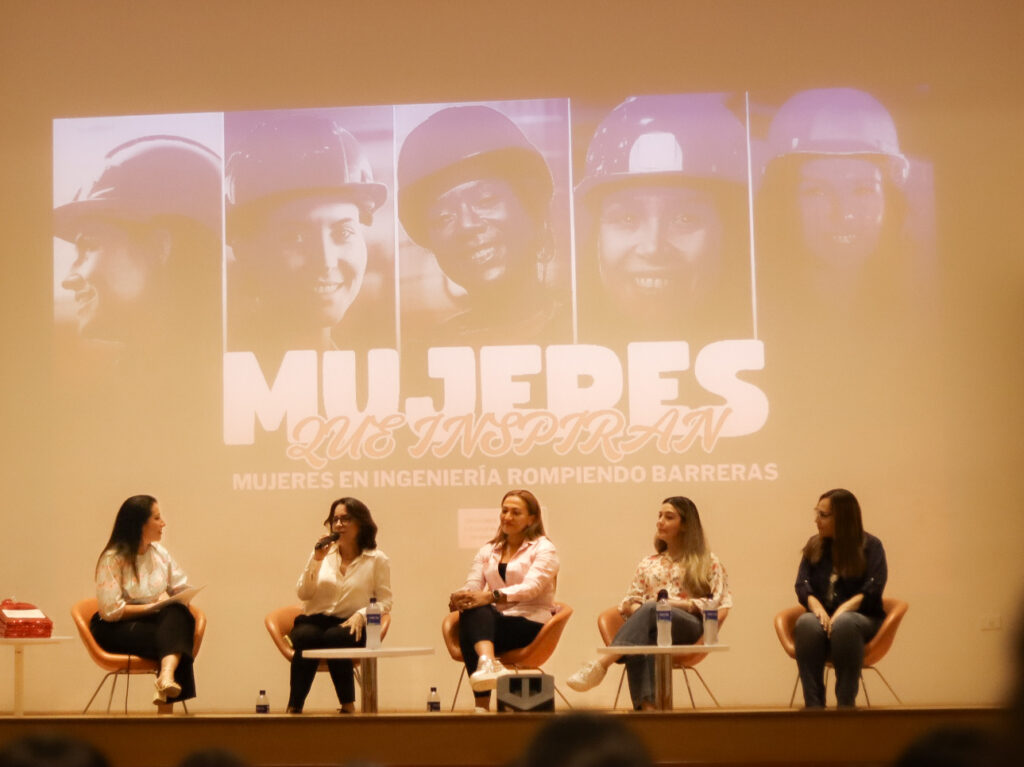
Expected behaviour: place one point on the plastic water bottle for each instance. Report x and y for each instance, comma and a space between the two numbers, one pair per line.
433, 701
664, 620
262, 703
373, 614
711, 624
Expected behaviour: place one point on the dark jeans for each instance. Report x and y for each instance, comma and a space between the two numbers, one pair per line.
169, 631
641, 628
507, 632
845, 648
316, 632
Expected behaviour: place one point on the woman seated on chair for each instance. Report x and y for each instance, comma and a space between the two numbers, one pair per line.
685, 567
840, 581
134, 575
344, 571
508, 595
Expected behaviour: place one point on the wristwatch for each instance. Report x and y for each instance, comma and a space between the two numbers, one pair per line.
497, 596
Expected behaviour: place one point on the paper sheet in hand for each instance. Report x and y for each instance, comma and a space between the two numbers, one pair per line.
184, 597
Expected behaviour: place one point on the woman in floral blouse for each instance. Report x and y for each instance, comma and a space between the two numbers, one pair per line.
134, 574
684, 566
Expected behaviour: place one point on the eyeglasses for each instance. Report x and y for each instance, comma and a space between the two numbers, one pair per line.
340, 519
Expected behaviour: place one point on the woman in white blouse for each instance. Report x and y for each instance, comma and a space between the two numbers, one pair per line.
685, 567
134, 573
509, 593
344, 570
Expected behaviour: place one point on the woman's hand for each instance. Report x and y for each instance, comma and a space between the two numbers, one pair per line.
684, 604
466, 600
629, 609
355, 625
458, 600
821, 614
321, 548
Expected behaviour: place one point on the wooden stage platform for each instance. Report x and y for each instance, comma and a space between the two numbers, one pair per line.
750, 738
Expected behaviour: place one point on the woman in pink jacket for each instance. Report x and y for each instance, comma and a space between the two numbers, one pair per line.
509, 593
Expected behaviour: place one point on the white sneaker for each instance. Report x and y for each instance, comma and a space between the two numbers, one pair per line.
486, 675
588, 677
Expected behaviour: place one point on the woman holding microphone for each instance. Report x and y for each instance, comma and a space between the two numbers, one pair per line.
344, 571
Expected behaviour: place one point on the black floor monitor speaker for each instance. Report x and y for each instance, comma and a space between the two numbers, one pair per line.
529, 691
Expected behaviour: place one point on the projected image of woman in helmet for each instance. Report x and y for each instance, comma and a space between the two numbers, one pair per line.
658, 247
841, 203
661, 208
147, 247
831, 209
475, 195
301, 201
308, 263
115, 279
482, 236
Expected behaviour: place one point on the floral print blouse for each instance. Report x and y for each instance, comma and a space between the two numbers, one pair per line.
660, 571
117, 585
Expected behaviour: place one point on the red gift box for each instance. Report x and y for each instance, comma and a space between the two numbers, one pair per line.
19, 620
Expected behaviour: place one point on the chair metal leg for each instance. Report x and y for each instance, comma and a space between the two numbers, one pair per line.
689, 692
113, 686
793, 696
696, 671
455, 698
618, 692
97, 692
884, 680
864, 687
562, 696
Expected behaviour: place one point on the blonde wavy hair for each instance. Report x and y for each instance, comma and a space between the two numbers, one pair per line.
696, 557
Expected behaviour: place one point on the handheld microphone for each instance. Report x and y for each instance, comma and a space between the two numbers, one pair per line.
326, 541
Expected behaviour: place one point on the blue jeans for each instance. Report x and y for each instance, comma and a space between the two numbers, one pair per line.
641, 628
845, 648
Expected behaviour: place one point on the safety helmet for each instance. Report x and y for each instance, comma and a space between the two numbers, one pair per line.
836, 122
666, 138
458, 144
286, 157
149, 177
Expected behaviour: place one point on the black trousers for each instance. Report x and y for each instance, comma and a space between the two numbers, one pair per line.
315, 632
169, 631
507, 632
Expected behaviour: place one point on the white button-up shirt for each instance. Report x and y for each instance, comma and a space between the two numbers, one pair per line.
323, 588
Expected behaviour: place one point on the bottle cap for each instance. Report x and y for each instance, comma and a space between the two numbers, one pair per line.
263, 692
662, 594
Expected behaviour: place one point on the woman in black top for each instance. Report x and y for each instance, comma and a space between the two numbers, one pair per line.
840, 582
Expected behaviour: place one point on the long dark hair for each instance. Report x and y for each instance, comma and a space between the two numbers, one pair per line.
848, 541
126, 537
535, 529
696, 556
367, 537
